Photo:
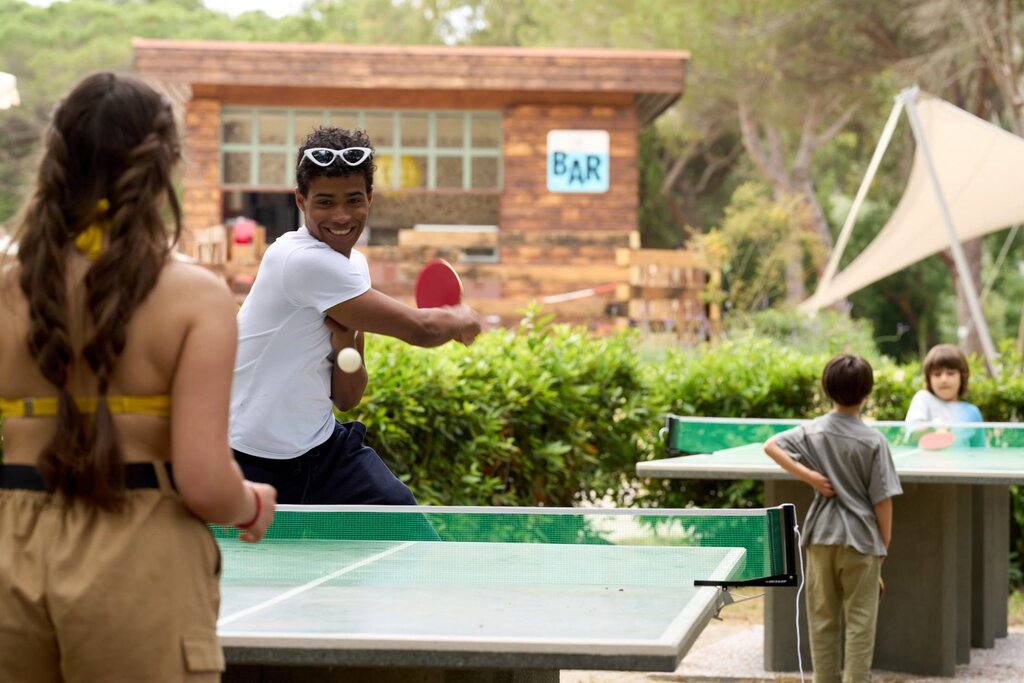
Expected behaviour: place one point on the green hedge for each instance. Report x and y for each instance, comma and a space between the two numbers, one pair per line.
529, 418
551, 415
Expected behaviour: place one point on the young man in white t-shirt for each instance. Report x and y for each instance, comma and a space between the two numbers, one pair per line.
311, 298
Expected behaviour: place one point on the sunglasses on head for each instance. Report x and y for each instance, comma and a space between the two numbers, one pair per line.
324, 156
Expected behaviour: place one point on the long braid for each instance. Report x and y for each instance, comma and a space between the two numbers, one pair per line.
112, 138
125, 274
42, 279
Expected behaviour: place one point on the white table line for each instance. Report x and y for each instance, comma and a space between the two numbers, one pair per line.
312, 584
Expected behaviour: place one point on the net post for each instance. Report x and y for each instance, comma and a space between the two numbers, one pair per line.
781, 539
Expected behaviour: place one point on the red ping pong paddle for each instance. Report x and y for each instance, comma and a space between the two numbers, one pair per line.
438, 285
936, 441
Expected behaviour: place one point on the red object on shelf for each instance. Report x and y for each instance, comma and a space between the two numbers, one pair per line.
243, 231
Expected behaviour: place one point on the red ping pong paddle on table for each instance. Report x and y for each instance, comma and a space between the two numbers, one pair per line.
438, 285
936, 441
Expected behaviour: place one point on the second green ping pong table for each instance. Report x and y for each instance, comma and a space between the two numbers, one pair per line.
947, 573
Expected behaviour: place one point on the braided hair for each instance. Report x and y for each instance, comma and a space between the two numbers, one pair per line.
111, 138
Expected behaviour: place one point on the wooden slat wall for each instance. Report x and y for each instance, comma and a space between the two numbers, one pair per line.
664, 286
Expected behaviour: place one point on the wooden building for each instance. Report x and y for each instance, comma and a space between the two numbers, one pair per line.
517, 165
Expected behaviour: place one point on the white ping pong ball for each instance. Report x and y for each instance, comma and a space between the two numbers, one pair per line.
349, 359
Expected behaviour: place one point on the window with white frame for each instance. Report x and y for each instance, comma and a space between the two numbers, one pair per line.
430, 150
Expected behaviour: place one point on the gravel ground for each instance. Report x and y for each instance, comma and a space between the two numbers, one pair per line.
732, 651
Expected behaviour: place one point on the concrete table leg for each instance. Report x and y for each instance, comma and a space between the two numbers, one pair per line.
917, 626
991, 564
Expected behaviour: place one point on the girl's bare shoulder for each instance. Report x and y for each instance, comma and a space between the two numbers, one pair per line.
190, 285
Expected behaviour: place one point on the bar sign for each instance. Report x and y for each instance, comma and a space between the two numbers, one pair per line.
578, 161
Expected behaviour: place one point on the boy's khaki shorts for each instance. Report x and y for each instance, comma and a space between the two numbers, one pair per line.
93, 596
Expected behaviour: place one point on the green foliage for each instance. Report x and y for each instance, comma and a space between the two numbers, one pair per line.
826, 332
543, 416
657, 229
749, 377
757, 239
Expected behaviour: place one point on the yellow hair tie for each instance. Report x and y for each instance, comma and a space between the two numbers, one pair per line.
90, 240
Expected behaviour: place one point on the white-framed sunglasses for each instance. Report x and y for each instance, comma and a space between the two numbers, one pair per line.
325, 156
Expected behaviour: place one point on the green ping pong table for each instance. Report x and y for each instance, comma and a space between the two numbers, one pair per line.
947, 573
478, 594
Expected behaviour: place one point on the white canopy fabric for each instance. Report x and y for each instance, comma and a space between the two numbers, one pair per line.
981, 171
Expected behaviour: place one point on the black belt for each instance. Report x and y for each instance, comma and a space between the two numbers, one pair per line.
137, 475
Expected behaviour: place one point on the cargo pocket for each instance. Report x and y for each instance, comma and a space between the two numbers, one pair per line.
218, 567
204, 660
213, 552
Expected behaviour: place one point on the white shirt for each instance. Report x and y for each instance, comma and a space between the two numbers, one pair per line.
280, 397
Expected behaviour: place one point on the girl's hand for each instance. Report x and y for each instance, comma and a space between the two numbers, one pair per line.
265, 497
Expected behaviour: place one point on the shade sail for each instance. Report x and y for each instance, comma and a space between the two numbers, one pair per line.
981, 171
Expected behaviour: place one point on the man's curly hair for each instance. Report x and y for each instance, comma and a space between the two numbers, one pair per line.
333, 138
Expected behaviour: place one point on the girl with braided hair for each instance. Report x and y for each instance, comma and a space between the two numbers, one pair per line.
115, 367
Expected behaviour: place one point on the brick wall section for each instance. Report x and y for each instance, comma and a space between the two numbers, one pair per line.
202, 198
526, 204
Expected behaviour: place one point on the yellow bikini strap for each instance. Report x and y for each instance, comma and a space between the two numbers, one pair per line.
158, 406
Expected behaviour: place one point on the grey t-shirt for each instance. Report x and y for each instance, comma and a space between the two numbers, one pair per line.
857, 461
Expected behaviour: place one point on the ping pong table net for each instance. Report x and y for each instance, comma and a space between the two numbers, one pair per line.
685, 435
717, 547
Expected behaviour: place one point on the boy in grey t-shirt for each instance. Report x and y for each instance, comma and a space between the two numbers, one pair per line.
849, 524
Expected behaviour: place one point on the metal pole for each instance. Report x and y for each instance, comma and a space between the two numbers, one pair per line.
909, 98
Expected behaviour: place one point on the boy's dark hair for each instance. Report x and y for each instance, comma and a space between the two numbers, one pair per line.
333, 138
946, 357
847, 379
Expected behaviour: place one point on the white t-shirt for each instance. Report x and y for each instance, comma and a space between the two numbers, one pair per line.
280, 396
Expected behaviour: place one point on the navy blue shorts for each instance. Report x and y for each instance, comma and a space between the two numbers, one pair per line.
340, 471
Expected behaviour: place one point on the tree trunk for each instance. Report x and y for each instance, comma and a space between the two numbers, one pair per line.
795, 289
971, 342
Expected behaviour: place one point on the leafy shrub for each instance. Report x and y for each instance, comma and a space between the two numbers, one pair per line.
825, 333
545, 416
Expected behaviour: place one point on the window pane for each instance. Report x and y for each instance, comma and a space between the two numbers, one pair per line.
272, 169
486, 131
414, 129
348, 120
236, 168
379, 126
273, 126
485, 172
236, 127
385, 164
449, 130
306, 123
413, 171
449, 172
